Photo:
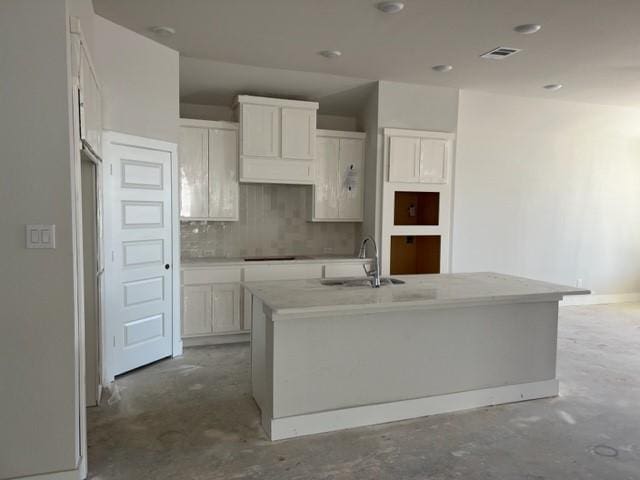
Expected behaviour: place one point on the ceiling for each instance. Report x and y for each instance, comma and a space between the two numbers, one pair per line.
590, 46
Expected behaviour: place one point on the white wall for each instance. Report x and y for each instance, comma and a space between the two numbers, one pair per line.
368, 122
38, 409
206, 112
219, 112
140, 82
548, 190
420, 107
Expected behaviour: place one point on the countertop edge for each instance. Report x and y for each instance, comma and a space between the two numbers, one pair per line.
323, 311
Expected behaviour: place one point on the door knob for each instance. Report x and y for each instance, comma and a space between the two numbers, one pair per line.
167, 266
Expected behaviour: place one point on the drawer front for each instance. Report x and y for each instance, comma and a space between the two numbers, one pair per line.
200, 276
257, 273
336, 270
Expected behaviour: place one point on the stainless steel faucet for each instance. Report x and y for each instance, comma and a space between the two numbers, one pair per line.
375, 272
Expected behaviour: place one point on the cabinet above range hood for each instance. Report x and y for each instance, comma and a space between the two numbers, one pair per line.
277, 140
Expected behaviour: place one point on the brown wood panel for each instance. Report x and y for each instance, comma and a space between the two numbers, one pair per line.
416, 208
415, 254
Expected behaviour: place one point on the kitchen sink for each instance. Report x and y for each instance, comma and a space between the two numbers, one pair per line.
359, 282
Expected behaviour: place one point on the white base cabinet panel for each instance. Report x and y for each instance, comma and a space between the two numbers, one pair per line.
216, 308
210, 309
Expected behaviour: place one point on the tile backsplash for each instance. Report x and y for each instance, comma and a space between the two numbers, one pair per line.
273, 221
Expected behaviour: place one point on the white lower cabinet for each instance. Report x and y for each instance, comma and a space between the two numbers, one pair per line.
217, 309
210, 309
196, 310
226, 308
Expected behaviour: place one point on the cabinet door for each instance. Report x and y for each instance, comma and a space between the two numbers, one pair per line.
223, 174
260, 130
193, 160
433, 160
226, 308
351, 180
404, 159
327, 185
196, 310
298, 133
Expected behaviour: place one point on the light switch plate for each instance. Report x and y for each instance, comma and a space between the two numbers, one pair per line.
41, 236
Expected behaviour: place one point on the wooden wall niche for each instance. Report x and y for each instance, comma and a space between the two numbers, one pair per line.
412, 255
416, 208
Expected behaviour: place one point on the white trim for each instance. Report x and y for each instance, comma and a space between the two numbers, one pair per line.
388, 228
600, 299
66, 475
111, 137
278, 102
218, 339
299, 425
402, 132
340, 134
222, 125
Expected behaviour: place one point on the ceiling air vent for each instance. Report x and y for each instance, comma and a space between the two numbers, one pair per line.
500, 53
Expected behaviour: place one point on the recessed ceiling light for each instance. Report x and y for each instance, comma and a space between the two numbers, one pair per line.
390, 7
330, 53
163, 31
552, 87
528, 28
442, 68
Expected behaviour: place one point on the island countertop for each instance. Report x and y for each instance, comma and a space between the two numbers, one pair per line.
312, 298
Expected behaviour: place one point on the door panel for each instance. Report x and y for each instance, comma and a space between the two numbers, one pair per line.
196, 310
433, 160
350, 179
194, 158
298, 133
404, 159
140, 300
326, 186
260, 130
223, 174
226, 308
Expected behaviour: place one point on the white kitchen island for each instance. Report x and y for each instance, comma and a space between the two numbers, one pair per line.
331, 357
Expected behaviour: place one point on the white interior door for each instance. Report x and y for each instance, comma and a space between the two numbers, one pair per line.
139, 316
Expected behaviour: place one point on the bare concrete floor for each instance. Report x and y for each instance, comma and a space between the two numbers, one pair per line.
193, 418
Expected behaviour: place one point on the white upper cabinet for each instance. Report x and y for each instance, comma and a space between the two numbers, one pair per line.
223, 173
277, 140
208, 164
298, 133
404, 159
351, 179
193, 158
338, 192
261, 131
433, 160
417, 156
326, 188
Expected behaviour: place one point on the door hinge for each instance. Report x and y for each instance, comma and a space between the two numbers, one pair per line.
114, 340
113, 255
111, 169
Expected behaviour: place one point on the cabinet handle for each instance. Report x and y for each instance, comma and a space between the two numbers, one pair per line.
167, 266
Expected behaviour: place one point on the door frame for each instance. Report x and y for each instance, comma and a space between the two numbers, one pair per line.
109, 140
